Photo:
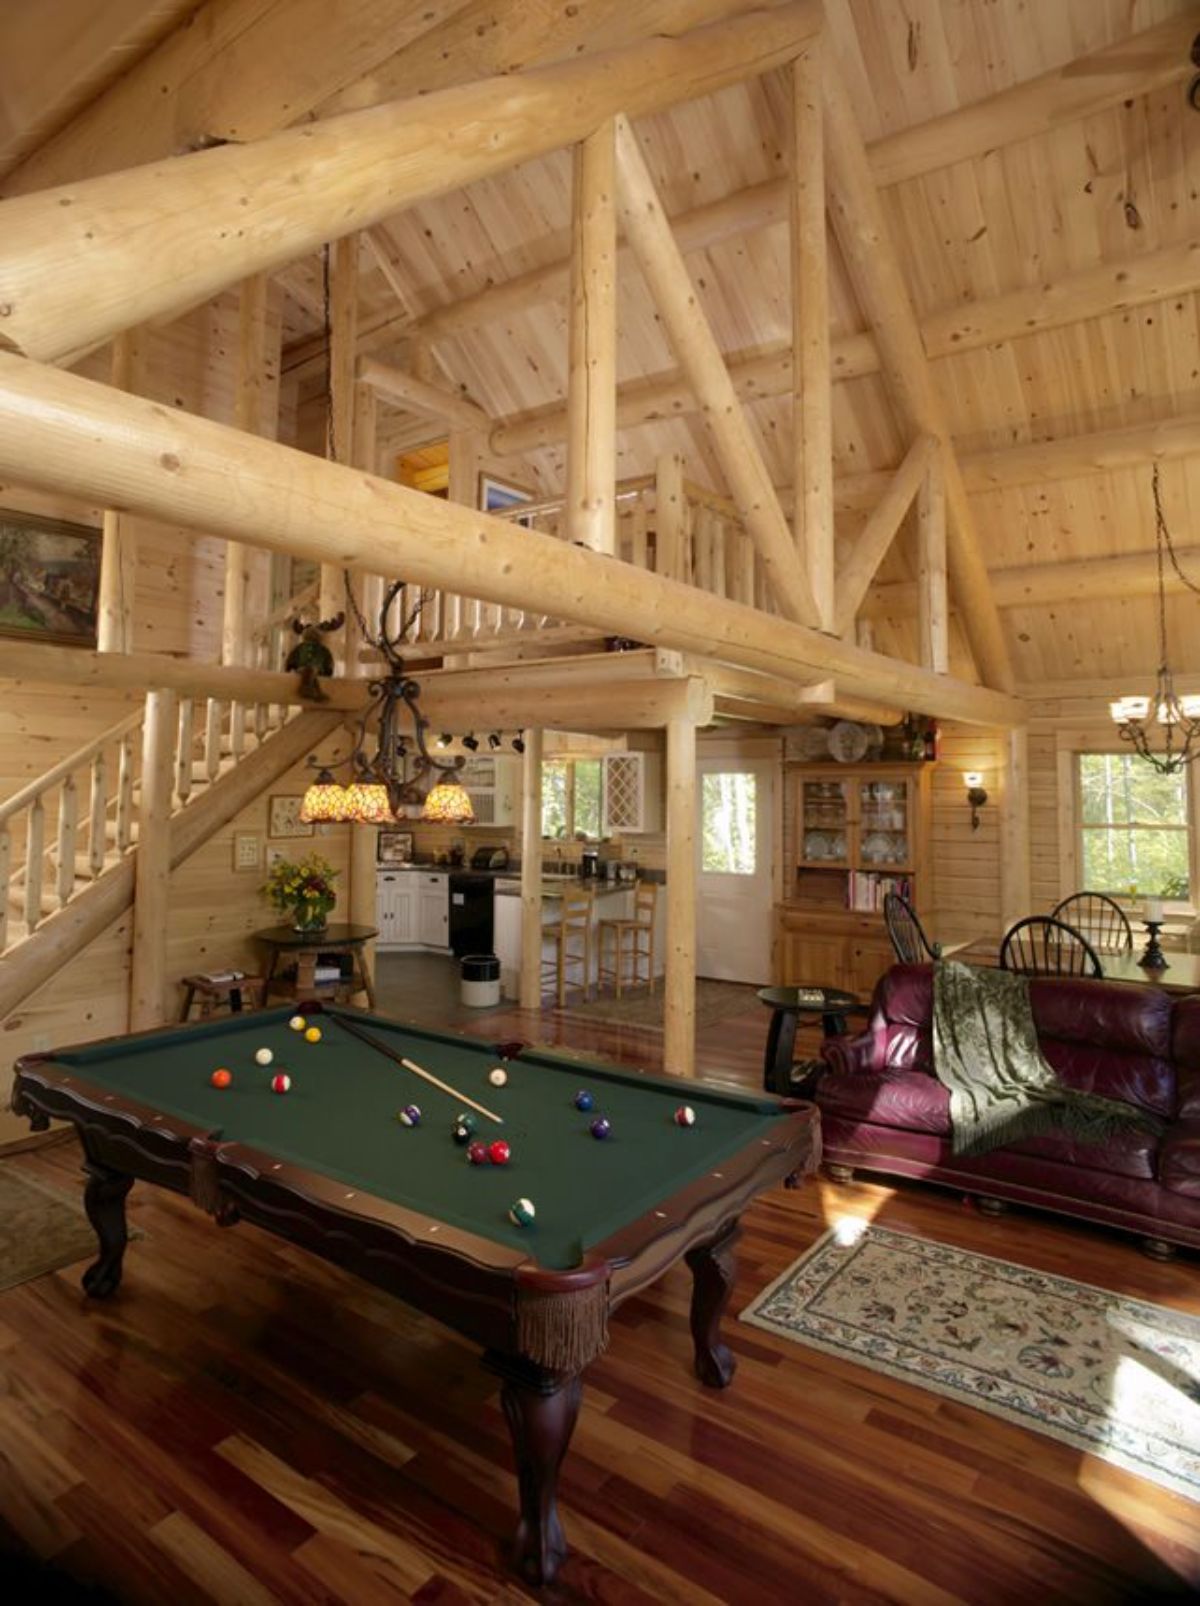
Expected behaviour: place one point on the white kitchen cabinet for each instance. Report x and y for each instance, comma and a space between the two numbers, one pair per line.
396, 908
491, 784
433, 909
631, 800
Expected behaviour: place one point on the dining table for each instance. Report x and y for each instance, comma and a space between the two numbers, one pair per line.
1181, 975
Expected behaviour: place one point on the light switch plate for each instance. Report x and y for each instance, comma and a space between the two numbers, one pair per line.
247, 850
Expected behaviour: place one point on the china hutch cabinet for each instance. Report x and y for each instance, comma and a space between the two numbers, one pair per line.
852, 833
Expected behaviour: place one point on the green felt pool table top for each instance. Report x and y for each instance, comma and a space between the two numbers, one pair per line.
340, 1119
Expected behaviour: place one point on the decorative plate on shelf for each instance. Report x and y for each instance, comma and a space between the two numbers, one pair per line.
808, 742
816, 846
878, 849
848, 742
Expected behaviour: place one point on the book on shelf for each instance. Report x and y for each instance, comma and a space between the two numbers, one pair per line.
866, 889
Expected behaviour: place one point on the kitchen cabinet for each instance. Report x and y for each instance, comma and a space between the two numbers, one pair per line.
433, 909
396, 909
631, 793
491, 783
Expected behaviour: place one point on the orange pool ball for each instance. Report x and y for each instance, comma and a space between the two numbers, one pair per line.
221, 1077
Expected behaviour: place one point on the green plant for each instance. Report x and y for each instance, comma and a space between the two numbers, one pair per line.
304, 889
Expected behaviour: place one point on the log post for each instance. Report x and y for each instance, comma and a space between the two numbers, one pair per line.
648, 231
933, 604
118, 540
670, 516
249, 414
148, 970
812, 382
679, 984
531, 872
343, 348
592, 346
1016, 894
878, 533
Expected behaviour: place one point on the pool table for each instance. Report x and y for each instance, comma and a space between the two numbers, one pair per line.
330, 1166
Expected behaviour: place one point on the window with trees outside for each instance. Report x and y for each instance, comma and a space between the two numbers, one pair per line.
572, 805
1135, 828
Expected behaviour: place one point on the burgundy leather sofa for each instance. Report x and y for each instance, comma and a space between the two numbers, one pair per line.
883, 1109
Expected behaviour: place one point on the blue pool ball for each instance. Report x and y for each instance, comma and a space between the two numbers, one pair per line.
600, 1127
584, 1100
411, 1115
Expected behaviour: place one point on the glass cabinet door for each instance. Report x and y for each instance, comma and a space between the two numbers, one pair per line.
884, 838
824, 823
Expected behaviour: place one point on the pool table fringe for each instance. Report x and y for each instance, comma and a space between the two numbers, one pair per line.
563, 1332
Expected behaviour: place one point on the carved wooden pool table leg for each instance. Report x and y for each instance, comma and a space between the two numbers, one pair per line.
541, 1408
104, 1200
714, 1268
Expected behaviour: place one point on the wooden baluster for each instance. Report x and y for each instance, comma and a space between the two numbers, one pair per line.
212, 738
184, 751
637, 527
125, 795
260, 721
5, 862
716, 539
701, 521
35, 869
237, 730
97, 815
68, 826
745, 568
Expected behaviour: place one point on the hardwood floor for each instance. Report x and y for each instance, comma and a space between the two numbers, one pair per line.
244, 1424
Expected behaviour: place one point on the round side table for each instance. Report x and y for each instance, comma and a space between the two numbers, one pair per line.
787, 1004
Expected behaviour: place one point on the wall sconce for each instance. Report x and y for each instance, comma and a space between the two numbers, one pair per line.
976, 796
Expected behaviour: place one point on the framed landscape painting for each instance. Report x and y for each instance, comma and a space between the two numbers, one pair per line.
49, 579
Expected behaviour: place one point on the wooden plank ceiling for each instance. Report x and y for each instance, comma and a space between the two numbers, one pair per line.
1111, 188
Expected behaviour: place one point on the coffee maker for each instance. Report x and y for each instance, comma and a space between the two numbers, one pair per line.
589, 864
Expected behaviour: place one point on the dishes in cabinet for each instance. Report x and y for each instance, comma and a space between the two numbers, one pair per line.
848, 741
882, 848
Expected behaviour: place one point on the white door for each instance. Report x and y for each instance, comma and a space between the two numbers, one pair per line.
734, 818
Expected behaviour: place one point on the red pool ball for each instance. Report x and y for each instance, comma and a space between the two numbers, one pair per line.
281, 1083
477, 1153
221, 1077
499, 1152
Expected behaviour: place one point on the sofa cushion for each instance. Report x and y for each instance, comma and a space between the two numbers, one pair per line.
911, 1100
1124, 1017
1132, 1078
1179, 1159
1132, 1152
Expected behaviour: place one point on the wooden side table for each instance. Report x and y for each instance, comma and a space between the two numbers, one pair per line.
832, 1004
304, 948
215, 995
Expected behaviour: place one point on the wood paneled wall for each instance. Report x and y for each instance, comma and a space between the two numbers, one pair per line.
965, 863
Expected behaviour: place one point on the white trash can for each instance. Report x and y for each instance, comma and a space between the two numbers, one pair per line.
480, 980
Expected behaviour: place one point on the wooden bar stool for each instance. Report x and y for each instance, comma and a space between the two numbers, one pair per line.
574, 923
232, 995
639, 932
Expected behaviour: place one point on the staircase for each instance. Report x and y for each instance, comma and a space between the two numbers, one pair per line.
68, 840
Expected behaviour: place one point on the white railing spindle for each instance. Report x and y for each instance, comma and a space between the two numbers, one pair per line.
97, 813
35, 869
68, 824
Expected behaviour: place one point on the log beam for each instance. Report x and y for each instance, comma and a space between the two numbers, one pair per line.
60, 431
592, 346
249, 414
83, 262
812, 383
662, 265
422, 396
880, 529
874, 271
933, 607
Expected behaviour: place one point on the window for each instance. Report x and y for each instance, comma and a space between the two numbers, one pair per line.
572, 792
728, 823
1134, 826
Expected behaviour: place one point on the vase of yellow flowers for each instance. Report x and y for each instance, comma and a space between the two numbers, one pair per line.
303, 891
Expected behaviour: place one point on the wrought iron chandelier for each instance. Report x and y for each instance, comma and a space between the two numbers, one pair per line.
378, 791
1178, 717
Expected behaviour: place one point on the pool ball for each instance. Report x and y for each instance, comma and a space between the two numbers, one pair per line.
685, 1116
521, 1213
499, 1152
297, 1023
477, 1153
467, 1122
600, 1127
410, 1115
281, 1082
263, 1056
460, 1133
584, 1100
498, 1077
312, 1034
221, 1077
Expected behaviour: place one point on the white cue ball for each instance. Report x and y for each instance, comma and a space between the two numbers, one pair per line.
297, 1023
264, 1056
498, 1077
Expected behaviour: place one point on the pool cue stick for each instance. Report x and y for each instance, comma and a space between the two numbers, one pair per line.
417, 1070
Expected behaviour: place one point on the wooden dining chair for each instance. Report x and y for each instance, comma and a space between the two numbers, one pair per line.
638, 933
909, 942
571, 935
1101, 920
1043, 946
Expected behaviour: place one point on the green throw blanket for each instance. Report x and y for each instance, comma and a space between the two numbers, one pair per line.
985, 1050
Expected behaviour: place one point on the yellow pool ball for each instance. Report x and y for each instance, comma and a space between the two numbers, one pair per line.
313, 1034
297, 1023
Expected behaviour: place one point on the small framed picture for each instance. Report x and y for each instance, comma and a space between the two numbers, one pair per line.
247, 850
394, 847
283, 817
501, 496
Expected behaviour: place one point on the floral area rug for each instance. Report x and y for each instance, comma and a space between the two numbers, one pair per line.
1109, 1375
40, 1230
